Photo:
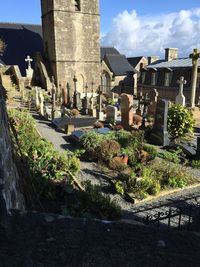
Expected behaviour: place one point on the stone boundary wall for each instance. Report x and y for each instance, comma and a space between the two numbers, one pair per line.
9, 177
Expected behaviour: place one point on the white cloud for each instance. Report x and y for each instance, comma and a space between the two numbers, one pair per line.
137, 35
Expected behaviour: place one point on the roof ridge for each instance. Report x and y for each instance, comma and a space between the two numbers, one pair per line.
20, 23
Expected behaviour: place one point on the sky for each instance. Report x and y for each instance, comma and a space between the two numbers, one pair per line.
134, 27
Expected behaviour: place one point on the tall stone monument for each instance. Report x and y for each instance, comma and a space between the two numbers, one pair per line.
71, 38
194, 56
159, 135
180, 98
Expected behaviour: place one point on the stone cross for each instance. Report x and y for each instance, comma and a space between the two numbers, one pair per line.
29, 60
194, 56
180, 99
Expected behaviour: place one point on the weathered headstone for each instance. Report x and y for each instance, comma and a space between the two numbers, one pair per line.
111, 114
37, 102
126, 110
41, 99
99, 103
159, 135
153, 96
180, 98
64, 96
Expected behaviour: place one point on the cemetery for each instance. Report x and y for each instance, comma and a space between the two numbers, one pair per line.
99, 154
145, 147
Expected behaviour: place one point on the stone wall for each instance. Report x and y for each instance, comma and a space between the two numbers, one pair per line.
9, 178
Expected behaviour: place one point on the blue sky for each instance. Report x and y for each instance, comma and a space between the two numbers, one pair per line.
135, 27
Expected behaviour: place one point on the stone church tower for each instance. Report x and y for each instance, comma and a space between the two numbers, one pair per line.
71, 36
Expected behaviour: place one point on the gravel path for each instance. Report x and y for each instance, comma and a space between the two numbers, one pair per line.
91, 171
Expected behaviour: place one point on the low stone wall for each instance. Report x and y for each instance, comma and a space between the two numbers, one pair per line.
9, 178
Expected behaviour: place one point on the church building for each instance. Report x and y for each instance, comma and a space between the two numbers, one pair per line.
71, 40
67, 47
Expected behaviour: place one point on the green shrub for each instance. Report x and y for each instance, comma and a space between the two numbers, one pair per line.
119, 187
177, 181
46, 166
176, 156
195, 164
106, 149
98, 204
154, 187
180, 121
90, 141
152, 150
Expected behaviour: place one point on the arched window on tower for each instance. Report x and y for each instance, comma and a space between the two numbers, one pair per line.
77, 5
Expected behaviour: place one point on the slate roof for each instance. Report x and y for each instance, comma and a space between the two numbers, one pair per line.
21, 40
134, 60
119, 65
175, 63
109, 51
26, 39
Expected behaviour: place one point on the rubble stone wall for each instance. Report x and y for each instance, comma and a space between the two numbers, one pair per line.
9, 177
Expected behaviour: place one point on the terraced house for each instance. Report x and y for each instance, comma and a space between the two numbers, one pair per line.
164, 74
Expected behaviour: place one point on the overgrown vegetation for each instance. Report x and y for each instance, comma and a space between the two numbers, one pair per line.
51, 172
180, 121
143, 175
151, 179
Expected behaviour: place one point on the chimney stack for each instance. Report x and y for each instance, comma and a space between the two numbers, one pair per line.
171, 53
152, 59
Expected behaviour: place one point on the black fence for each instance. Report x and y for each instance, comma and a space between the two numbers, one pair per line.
187, 218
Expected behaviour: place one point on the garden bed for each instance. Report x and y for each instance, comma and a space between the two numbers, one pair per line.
148, 173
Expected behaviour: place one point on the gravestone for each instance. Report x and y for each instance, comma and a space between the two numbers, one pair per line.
41, 99
153, 96
180, 98
104, 130
111, 114
135, 105
29, 70
64, 96
159, 135
76, 135
139, 108
100, 114
37, 102
126, 110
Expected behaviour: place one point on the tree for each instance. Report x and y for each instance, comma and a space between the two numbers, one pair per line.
2, 47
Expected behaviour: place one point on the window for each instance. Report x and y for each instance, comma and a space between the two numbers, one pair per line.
153, 78
167, 79
143, 76
77, 5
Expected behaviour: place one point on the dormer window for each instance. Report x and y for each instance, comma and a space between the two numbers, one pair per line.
77, 5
